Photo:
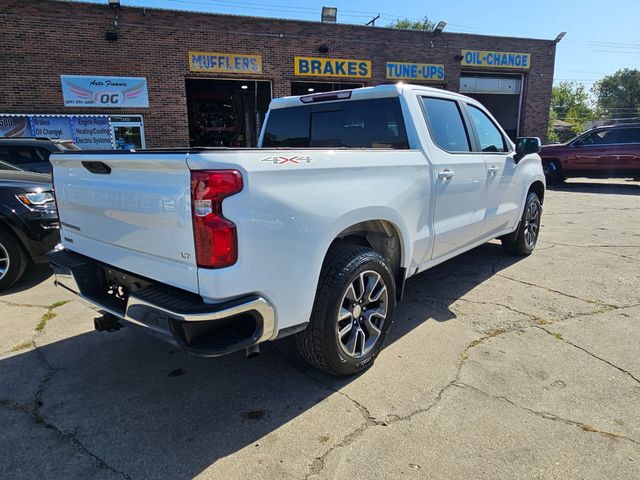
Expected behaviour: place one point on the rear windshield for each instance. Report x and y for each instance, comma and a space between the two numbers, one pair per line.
375, 123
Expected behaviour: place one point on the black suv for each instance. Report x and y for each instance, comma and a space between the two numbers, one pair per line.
28, 222
32, 154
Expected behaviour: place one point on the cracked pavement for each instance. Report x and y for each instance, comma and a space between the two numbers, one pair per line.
495, 367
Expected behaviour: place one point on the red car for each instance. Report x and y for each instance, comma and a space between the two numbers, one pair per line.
612, 151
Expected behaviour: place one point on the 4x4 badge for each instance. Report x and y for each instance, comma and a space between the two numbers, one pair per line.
282, 160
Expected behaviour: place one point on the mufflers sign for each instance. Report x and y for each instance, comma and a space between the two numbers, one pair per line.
224, 62
332, 67
114, 92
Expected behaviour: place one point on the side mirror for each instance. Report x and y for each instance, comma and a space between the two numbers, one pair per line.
526, 146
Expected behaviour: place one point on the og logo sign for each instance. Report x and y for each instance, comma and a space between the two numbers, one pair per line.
114, 92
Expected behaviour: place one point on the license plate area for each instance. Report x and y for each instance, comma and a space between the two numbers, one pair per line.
118, 285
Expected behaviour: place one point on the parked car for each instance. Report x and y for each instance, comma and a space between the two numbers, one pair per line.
313, 234
32, 153
29, 225
612, 151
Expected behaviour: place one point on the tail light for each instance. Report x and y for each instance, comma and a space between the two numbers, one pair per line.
216, 240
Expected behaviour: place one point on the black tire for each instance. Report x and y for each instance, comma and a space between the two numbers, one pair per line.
519, 242
552, 171
10, 247
319, 344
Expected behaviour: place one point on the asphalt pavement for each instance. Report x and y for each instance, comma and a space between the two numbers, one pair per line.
496, 367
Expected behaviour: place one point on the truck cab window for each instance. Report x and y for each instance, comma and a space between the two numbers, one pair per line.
376, 123
491, 140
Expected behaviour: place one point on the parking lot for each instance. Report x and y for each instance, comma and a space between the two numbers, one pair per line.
496, 367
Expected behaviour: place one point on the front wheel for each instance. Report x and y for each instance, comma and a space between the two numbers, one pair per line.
524, 239
352, 312
552, 171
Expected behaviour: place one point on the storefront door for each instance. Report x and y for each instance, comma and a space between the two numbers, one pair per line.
128, 132
226, 113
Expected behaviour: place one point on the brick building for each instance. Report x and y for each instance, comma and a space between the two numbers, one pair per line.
209, 78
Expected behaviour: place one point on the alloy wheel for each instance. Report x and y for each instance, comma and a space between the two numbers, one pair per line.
4, 261
362, 314
532, 224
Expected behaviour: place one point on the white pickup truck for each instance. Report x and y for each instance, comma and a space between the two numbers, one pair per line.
312, 234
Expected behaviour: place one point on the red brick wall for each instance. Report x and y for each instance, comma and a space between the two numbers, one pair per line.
43, 39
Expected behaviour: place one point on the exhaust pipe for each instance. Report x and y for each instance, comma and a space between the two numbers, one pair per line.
253, 351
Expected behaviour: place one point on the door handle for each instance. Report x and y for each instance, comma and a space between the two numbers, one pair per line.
493, 170
445, 174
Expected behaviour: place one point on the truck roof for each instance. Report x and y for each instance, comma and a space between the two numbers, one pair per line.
363, 93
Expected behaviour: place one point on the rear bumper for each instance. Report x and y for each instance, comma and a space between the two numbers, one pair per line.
176, 316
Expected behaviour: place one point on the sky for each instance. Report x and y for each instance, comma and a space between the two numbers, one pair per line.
602, 36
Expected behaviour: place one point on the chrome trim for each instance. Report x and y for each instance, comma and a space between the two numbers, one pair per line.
259, 305
63, 278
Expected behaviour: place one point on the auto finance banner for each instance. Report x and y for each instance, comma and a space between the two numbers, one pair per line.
110, 92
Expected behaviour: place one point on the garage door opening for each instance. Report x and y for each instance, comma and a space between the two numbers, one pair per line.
306, 88
226, 113
500, 94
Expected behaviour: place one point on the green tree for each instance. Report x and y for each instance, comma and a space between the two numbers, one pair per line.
406, 24
552, 136
570, 102
618, 95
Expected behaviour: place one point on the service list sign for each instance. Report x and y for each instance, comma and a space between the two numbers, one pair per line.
111, 92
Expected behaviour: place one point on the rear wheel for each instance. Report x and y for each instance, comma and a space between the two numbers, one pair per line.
13, 260
552, 171
524, 239
352, 312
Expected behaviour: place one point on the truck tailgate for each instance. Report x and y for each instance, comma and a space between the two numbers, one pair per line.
129, 210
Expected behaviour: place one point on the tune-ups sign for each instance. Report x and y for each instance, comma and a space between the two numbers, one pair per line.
414, 71
111, 92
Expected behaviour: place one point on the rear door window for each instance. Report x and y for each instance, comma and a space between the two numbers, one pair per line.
376, 123
599, 137
446, 125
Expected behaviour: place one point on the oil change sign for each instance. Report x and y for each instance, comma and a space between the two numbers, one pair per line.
224, 62
485, 58
332, 67
113, 92
414, 71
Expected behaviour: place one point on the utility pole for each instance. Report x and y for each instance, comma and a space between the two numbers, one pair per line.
372, 22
